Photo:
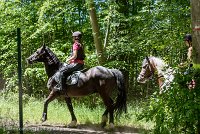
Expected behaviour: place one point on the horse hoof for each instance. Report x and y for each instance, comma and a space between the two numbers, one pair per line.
44, 117
43, 120
104, 118
103, 124
72, 124
103, 121
111, 126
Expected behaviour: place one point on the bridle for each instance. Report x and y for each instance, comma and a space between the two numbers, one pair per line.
147, 72
153, 68
159, 77
150, 67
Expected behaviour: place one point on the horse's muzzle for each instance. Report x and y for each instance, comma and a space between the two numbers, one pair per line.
29, 61
140, 79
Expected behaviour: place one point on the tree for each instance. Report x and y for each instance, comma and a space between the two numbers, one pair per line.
195, 9
96, 32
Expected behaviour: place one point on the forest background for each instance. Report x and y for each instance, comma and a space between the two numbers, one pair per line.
135, 29
129, 31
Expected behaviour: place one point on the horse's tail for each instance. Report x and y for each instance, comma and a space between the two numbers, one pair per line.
120, 105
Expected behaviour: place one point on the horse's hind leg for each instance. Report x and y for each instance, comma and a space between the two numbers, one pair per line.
109, 109
50, 98
111, 112
71, 110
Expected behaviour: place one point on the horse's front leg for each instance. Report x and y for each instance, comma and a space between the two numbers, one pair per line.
50, 98
104, 118
71, 110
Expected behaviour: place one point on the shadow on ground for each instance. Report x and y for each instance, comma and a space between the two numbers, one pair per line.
81, 129
11, 126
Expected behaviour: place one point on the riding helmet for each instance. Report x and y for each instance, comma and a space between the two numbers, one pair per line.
188, 37
76, 34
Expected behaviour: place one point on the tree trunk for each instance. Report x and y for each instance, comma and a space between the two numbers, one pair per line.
96, 32
2, 82
195, 9
107, 34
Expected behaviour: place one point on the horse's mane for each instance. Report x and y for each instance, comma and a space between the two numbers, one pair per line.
164, 70
159, 63
53, 57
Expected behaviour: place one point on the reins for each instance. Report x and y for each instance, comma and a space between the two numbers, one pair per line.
150, 66
159, 77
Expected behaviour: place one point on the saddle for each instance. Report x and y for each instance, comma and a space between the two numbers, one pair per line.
71, 79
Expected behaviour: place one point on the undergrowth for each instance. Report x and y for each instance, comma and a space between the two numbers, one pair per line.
58, 113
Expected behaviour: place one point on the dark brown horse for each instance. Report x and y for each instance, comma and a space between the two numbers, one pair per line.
96, 80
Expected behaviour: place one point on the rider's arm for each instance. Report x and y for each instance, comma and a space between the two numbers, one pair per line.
189, 54
73, 57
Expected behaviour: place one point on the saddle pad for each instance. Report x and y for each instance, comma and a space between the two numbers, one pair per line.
73, 78
70, 80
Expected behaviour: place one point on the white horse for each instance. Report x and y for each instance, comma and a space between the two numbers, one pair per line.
154, 66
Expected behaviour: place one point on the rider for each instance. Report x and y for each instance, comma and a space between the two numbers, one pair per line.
188, 42
75, 60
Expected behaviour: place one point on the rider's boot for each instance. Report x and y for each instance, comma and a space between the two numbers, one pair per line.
63, 85
58, 87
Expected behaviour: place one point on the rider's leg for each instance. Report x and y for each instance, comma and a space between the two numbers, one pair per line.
64, 72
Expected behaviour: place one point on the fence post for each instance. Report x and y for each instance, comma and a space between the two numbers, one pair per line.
20, 80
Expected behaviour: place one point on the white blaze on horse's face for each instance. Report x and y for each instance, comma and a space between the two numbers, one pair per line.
145, 73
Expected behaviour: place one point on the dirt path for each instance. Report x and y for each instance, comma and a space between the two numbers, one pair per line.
82, 129
62, 129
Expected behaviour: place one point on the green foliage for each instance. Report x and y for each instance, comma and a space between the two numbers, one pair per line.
117, 65
35, 79
176, 110
136, 29
59, 114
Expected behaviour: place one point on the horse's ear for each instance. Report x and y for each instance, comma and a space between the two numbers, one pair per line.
147, 58
43, 46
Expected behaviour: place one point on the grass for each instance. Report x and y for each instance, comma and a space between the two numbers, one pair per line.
58, 112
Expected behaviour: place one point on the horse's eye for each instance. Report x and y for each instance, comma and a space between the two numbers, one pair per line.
145, 66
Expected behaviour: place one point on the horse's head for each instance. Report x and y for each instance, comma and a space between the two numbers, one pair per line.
38, 56
148, 69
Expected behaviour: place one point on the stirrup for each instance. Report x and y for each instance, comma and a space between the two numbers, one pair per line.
58, 87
